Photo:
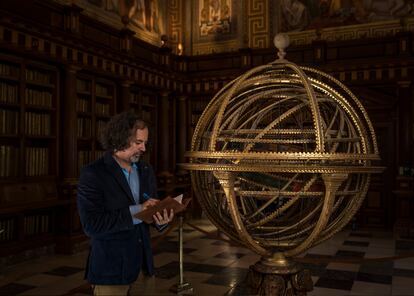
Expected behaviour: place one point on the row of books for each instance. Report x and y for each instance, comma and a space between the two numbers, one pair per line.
9, 161
84, 157
37, 161
100, 126
147, 116
198, 106
9, 122
102, 109
134, 97
83, 85
103, 90
38, 97
84, 127
8, 93
37, 124
99, 153
7, 230
83, 105
35, 75
36, 224
8, 70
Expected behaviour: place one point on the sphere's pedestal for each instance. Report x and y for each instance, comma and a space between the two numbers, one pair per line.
278, 276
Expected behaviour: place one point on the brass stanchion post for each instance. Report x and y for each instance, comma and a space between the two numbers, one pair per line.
182, 287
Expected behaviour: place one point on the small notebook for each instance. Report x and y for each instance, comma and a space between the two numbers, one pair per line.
177, 204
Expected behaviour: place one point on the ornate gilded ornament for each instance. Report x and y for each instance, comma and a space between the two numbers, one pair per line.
281, 159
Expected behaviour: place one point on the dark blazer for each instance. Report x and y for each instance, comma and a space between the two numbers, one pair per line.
118, 249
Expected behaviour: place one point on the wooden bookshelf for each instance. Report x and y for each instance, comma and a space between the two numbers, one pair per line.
95, 104
29, 140
196, 108
144, 103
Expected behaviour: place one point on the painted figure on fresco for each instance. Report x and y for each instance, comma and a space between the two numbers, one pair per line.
143, 13
310, 14
214, 16
295, 15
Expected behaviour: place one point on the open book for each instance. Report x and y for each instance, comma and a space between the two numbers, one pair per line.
176, 203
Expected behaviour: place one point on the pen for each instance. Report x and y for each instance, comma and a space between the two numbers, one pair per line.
145, 196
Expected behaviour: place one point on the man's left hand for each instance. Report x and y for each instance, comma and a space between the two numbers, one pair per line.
164, 218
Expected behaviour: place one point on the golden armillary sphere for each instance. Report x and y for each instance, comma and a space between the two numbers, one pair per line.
281, 159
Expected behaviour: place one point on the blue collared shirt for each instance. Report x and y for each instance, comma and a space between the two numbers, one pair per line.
132, 178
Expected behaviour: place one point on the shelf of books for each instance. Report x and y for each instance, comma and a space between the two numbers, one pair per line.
28, 150
196, 108
144, 103
95, 104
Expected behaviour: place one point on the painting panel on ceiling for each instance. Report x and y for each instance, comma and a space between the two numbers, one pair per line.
143, 16
214, 17
298, 15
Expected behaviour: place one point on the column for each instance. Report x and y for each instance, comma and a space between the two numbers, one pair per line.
69, 137
405, 124
163, 134
182, 132
404, 191
124, 96
66, 217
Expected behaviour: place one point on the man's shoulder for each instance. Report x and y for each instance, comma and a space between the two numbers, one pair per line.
95, 165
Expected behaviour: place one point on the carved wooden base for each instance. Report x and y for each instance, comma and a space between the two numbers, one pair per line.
279, 280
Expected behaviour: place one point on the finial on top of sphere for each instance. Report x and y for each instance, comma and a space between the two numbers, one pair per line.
281, 41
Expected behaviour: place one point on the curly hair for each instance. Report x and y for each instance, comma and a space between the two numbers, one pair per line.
118, 131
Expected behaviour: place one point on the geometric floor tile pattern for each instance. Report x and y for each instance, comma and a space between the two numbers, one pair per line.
362, 262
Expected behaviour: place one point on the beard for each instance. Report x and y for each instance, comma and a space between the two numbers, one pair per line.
135, 158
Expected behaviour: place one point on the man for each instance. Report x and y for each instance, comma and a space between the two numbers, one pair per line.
110, 191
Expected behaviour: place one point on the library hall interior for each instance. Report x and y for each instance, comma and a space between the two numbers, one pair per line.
207, 147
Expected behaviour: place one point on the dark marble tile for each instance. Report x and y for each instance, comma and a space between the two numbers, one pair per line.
229, 276
334, 284
14, 289
64, 270
356, 243
377, 267
207, 268
349, 254
403, 272
361, 234
84, 289
342, 275
171, 247
220, 243
374, 278
315, 269
227, 255
317, 256
172, 269
212, 237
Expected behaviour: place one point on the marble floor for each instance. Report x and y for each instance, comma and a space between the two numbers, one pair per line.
360, 262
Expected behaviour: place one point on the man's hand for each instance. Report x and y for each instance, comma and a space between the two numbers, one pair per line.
149, 203
164, 218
